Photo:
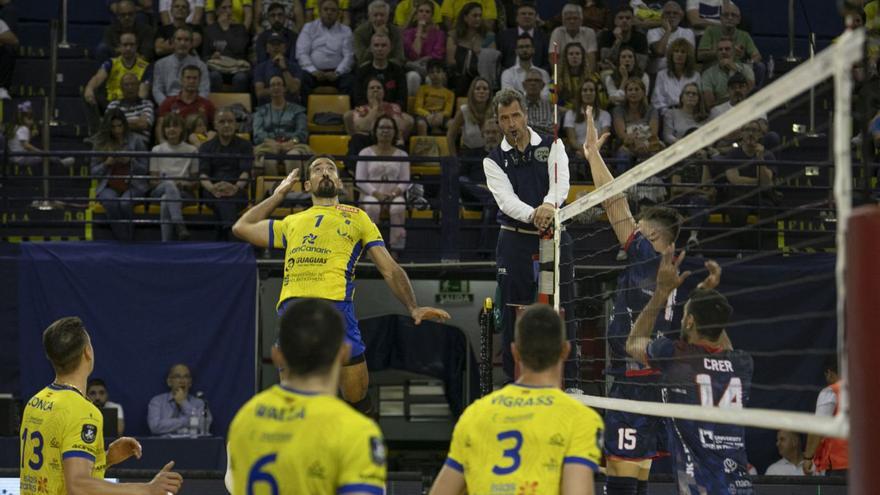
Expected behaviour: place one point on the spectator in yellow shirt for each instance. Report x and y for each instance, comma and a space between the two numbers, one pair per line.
434, 102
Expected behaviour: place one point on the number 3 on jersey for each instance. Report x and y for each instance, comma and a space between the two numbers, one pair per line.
730, 399
511, 453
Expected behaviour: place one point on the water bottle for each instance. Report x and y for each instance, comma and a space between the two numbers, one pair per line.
194, 420
771, 67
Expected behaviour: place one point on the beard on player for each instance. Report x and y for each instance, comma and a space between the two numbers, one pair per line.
326, 188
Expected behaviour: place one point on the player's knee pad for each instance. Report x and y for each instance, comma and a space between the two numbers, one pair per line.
364, 406
643, 487
618, 485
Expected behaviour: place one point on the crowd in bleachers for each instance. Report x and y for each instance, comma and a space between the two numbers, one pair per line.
652, 72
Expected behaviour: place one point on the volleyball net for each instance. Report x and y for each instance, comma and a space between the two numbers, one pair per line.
754, 200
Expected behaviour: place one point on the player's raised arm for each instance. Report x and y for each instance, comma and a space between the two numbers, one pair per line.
616, 208
79, 481
401, 287
253, 226
668, 279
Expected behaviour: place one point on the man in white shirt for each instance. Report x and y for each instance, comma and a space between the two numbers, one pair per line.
661, 37
325, 51
513, 77
167, 70
788, 443
572, 30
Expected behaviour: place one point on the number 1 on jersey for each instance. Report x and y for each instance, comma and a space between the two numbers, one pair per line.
730, 399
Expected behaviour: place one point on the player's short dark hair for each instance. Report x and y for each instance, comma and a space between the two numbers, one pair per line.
667, 218
310, 335
64, 341
710, 311
96, 382
191, 67
539, 337
322, 156
506, 97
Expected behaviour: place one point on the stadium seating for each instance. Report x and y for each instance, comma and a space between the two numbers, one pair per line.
336, 104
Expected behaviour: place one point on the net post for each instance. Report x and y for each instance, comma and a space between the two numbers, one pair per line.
863, 312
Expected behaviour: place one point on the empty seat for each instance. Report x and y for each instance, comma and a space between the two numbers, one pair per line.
327, 104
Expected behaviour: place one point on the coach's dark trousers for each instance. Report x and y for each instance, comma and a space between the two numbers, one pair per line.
517, 278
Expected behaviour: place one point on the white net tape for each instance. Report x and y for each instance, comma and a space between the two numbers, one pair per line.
834, 62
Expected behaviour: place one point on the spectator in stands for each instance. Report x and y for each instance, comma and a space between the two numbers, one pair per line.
177, 412
137, 109
390, 192
623, 35
751, 172
313, 11
470, 49
829, 455
324, 51
277, 64
292, 17
195, 12
636, 124
197, 130
660, 39
225, 51
451, 11
225, 179
180, 12
23, 129
423, 40
434, 102
737, 90
380, 67
360, 120
788, 443
514, 76
475, 194
573, 31
8, 52
125, 22
173, 178
379, 11
279, 127
714, 79
680, 70
538, 107
112, 70
596, 15
468, 121
167, 72
143, 9
702, 14
687, 115
406, 11
242, 12
96, 391
188, 101
526, 24
692, 191
744, 49
627, 68
116, 192
573, 71
276, 18
575, 124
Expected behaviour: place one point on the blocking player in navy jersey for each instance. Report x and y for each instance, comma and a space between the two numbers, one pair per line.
632, 441
701, 368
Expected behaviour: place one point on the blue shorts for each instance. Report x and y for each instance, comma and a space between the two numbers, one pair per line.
634, 436
352, 332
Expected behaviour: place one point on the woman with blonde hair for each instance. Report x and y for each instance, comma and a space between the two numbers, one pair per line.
687, 115
575, 123
465, 135
574, 69
680, 71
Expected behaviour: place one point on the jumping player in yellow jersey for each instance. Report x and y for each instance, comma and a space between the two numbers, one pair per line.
322, 247
298, 437
62, 440
529, 437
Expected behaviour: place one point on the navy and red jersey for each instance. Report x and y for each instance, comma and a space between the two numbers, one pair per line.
635, 286
707, 457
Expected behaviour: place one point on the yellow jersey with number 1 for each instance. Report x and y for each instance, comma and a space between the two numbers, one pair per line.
322, 247
58, 423
285, 441
516, 440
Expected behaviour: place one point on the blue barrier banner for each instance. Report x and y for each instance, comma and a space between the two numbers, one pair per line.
146, 307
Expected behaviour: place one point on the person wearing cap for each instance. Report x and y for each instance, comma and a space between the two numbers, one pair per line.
714, 79
277, 63
277, 17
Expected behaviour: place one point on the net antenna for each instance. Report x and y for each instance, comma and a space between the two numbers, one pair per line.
834, 62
